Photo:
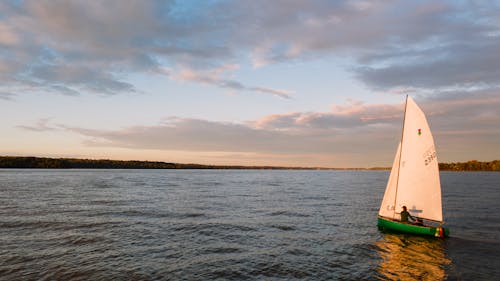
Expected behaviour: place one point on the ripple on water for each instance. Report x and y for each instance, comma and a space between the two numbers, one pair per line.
230, 225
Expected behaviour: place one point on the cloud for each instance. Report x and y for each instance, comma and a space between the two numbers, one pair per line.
82, 77
465, 126
345, 118
184, 134
7, 36
7, 96
214, 77
86, 46
462, 111
450, 46
405, 44
65, 90
437, 38
460, 66
288, 136
72, 47
42, 125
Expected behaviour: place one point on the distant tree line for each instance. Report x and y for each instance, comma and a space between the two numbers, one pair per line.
67, 163
472, 165
71, 163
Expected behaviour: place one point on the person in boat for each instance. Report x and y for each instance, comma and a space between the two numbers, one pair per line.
405, 215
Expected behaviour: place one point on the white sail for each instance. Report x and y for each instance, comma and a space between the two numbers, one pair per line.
417, 174
387, 206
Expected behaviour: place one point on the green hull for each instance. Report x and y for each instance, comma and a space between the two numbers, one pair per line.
387, 224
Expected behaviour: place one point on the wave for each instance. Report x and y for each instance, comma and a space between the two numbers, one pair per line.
288, 214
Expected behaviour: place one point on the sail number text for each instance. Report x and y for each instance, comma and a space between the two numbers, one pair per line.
429, 155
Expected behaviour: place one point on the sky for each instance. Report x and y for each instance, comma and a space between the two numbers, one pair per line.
286, 83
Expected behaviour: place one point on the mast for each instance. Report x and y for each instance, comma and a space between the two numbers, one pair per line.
399, 160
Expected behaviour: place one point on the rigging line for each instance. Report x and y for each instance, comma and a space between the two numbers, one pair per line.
400, 155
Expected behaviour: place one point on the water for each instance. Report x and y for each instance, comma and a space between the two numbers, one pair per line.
235, 225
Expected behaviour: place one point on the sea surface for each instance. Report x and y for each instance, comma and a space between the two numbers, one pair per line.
235, 225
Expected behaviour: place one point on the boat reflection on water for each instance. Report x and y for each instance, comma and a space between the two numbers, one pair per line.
411, 258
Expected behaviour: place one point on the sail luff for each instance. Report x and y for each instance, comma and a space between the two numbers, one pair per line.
400, 153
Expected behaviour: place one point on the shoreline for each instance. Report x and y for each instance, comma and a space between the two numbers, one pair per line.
30, 162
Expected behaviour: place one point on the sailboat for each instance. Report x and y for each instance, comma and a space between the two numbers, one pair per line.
414, 180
